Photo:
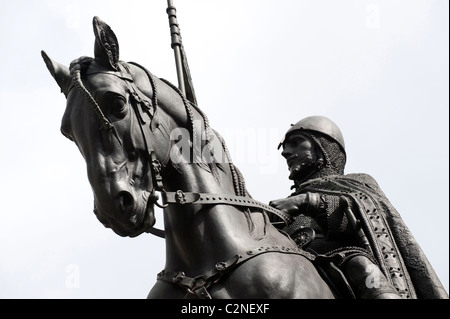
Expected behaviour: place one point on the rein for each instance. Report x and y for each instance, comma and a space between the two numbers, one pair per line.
182, 198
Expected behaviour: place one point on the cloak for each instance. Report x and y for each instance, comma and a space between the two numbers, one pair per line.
398, 254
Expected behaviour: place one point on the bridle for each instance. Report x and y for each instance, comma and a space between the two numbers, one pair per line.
144, 105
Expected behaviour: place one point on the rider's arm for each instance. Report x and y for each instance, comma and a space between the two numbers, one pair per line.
328, 212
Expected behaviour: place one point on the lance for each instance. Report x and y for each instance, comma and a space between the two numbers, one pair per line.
183, 73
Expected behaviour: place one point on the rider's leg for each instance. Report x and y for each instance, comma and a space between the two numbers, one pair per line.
367, 280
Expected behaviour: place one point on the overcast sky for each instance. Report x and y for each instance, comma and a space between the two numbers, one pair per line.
379, 69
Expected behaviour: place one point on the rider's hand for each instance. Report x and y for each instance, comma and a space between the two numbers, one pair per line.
292, 205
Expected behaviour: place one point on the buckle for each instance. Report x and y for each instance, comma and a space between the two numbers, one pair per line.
179, 276
180, 197
202, 293
221, 266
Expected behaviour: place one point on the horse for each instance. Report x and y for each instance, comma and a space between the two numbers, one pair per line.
146, 145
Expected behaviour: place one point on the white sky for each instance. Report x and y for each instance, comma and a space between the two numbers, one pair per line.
379, 69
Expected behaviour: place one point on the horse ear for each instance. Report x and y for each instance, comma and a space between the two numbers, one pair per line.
60, 73
106, 47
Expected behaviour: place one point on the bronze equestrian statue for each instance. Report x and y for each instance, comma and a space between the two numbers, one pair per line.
146, 144
351, 214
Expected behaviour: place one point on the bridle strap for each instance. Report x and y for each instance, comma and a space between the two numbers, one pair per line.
183, 198
105, 124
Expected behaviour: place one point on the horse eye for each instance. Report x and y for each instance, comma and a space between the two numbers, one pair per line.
118, 107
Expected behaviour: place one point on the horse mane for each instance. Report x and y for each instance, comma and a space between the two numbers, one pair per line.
238, 179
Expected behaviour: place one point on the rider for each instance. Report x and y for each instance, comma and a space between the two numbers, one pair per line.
351, 216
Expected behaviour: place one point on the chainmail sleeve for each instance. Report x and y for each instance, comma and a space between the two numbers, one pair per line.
332, 218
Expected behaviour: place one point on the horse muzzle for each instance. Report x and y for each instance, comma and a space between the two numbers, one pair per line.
127, 214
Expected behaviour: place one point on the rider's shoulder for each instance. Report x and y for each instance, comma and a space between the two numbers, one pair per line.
364, 178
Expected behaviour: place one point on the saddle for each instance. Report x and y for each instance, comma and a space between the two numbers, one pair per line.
330, 265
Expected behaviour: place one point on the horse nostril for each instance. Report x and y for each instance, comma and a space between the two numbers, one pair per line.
125, 199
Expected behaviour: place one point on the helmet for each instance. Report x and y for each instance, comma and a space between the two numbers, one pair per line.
319, 124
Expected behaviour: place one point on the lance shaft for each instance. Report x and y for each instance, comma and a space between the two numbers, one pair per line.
176, 43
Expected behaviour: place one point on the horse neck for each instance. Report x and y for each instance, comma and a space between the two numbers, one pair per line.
198, 236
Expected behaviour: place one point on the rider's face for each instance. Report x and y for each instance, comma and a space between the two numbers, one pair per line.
300, 153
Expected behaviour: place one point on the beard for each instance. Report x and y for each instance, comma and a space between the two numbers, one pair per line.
300, 172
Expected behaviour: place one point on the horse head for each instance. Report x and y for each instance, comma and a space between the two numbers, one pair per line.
107, 107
